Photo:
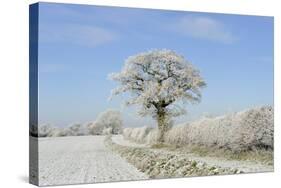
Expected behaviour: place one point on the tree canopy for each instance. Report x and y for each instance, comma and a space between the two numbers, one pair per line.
160, 81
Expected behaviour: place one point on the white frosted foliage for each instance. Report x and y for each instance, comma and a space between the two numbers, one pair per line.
246, 130
107, 122
160, 82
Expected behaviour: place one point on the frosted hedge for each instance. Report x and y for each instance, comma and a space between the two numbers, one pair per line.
245, 130
137, 134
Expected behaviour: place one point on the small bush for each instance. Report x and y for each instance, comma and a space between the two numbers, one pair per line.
137, 134
45, 131
108, 119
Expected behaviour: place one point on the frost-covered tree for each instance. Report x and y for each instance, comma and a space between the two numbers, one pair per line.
108, 120
160, 81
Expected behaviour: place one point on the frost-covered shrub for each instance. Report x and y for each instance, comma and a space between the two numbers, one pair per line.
152, 137
108, 119
108, 122
77, 130
137, 134
250, 129
95, 129
177, 130
73, 130
107, 131
258, 127
58, 132
206, 132
127, 133
45, 131
245, 130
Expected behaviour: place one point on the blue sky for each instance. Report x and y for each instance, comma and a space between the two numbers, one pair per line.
80, 45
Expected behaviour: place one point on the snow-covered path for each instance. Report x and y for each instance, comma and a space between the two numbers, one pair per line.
245, 166
81, 159
119, 139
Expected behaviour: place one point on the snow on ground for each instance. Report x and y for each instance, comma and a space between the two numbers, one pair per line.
245, 166
86, 159
81, 159
118, 139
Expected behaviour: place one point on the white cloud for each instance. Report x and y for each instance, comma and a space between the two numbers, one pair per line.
204, 28
76, 34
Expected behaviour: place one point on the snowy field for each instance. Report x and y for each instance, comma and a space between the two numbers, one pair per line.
86, 159
81, 159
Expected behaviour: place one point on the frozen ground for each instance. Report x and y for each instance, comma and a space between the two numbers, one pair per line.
86, 159
245, 166
81, 159
118, 139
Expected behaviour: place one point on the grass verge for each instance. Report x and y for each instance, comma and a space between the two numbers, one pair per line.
165, 165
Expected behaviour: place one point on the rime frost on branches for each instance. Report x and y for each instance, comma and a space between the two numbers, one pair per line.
160, 81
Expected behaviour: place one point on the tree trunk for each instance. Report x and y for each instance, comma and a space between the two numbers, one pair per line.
162, 125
